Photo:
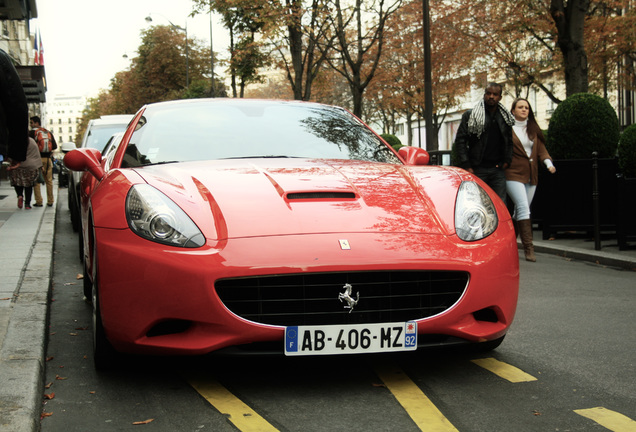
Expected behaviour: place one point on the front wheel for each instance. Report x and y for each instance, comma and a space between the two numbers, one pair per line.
104, 355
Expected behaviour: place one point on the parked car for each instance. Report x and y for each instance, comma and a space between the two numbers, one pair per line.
292, 226
64, 173
86, 184
97, 134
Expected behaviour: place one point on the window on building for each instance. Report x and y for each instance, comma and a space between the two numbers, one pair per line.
550, 105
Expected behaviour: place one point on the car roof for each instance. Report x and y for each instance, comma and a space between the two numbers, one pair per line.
241, 102
112, 119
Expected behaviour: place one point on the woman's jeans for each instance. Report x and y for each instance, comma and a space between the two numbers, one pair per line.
521, 195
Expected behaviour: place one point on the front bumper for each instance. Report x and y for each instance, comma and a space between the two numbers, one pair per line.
162, 300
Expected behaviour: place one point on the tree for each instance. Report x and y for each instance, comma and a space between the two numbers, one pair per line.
399, 83
158, 73
537, 41
244, 19
359, 34
569, 19
299, 56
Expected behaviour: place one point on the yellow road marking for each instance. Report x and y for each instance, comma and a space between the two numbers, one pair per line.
611, 420
504, 370
419, 407
241, 415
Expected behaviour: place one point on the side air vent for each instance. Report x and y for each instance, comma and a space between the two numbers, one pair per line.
320, 195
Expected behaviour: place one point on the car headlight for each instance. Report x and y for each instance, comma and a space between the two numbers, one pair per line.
475, 214
154, 216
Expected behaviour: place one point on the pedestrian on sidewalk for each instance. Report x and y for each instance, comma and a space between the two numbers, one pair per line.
14, 113
24, 176
483, 143
46, 144
523, 175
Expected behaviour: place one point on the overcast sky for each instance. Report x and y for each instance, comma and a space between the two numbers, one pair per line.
84, 40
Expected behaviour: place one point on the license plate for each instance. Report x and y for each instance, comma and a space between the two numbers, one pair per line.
350, 339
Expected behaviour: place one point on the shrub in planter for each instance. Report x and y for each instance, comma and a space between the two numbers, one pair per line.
392, 140
627, 188
582, 124
627, 152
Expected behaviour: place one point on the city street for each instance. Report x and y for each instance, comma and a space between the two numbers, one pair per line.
566, 365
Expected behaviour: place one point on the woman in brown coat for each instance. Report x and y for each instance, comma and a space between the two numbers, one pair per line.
24, 176
522, 175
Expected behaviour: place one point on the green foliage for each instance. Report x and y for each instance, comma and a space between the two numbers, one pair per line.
627, 152
582, 124
392, 140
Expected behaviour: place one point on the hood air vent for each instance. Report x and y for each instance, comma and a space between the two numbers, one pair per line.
320, 195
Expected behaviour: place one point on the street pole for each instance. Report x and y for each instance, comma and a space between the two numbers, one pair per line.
431, 132
187, 57
212, 87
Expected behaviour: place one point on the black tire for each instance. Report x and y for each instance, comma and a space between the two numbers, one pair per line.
80, 245
88, 286
74, 208
104, 355
69, 199
63, 179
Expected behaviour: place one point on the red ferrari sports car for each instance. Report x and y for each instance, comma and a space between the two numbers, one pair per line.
289, 226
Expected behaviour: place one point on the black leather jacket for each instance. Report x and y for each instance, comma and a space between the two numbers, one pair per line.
14, 112
470, 149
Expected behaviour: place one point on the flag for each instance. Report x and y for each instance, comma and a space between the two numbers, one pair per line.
36, 58
41, 52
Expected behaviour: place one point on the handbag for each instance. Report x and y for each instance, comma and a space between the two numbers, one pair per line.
41, 177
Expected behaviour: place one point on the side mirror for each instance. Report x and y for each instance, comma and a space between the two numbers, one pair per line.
85, 159
414, 155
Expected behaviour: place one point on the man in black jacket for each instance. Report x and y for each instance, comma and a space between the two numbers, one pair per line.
483, 144
14, 113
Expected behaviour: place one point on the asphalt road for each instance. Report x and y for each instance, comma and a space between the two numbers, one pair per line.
568, 359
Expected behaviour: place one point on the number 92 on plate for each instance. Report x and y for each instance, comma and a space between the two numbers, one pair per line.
350, 339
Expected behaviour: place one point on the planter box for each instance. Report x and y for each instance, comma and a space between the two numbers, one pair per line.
564, 201
626, 205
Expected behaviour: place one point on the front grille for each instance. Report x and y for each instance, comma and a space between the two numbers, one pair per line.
312, 298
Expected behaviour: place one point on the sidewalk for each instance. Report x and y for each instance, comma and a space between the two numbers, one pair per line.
582, 248
26, 258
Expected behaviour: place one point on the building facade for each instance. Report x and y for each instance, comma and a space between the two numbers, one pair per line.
62, 116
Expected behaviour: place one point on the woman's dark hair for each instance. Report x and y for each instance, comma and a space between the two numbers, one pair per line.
534, 131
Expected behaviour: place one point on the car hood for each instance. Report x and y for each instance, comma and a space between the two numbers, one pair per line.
261, 197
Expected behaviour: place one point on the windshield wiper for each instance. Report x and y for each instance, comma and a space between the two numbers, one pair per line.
161, 163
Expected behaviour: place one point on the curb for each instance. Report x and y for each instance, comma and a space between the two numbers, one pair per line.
23, 350
597, 257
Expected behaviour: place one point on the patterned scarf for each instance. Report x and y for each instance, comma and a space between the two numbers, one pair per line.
477, 119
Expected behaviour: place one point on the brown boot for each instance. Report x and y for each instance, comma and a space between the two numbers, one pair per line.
525, 232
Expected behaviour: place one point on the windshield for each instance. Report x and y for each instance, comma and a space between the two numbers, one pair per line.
192, 132
99, 135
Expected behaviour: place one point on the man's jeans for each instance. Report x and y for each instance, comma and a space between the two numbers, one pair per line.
495, 178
